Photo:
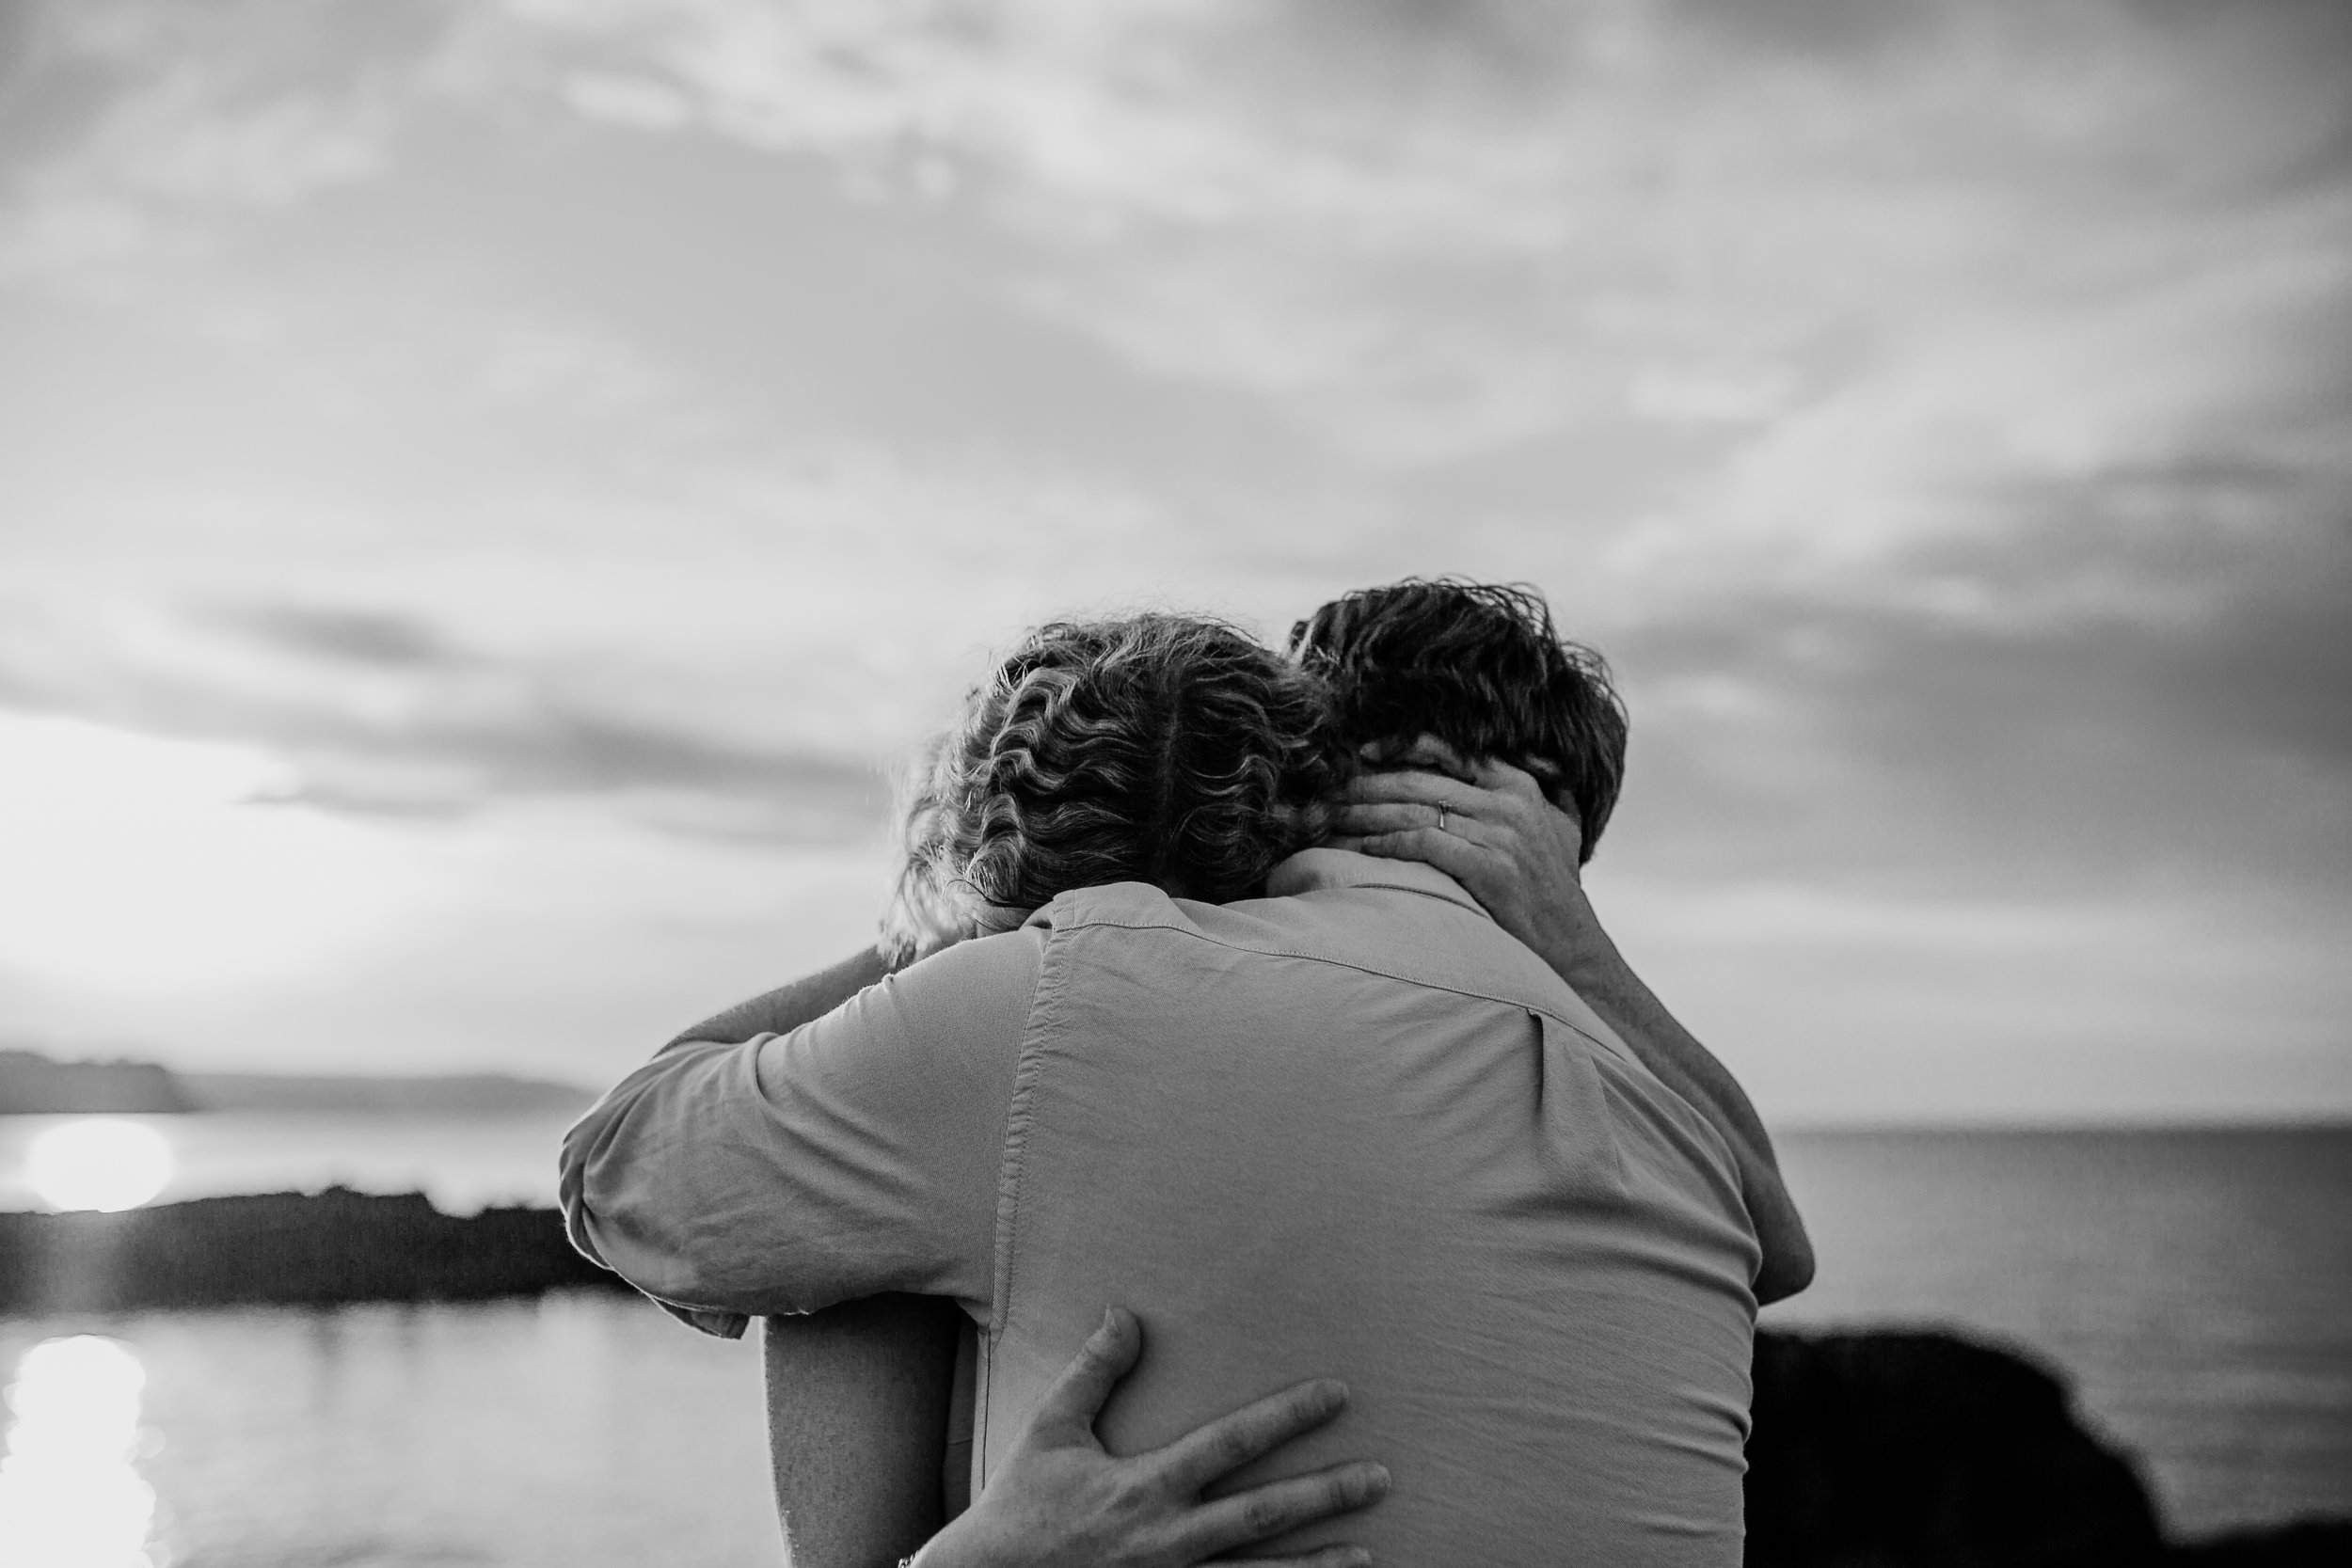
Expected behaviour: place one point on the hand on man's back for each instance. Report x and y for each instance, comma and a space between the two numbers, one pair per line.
1060, 1501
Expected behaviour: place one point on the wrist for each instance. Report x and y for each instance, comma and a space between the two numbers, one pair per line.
1573, 941
952, 1547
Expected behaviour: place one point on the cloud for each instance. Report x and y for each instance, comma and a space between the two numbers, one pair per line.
637, 103
2180, 725
139, 120
1438, 232
378, 712
1710, 394
2002, 1004
1877, 308
1430, 233
606, 415
362, 636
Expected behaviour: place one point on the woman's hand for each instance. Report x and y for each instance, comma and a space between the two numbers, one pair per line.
1060, 1501
1491, 827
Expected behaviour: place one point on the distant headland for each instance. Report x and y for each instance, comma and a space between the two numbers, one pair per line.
32, 1082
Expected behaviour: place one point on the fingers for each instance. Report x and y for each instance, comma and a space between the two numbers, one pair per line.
1363, 820
1324, 1557
1427, 789
1076, 1396
1451, 853
1431, 755
1492, 774
1231, 1441
1277, 1507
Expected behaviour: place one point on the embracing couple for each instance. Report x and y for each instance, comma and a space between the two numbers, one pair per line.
1239, 1016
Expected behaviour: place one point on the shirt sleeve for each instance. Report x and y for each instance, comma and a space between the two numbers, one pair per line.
856, 1155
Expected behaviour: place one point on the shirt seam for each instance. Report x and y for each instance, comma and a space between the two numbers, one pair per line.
1020, 1116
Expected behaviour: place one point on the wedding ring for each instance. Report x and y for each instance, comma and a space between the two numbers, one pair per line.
1442, 814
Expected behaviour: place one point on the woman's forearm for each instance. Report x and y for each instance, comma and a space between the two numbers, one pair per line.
789, 1005
858, 1402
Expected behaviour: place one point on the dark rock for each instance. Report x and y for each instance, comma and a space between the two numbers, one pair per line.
1928, 1451
282, 1247
2308, 1544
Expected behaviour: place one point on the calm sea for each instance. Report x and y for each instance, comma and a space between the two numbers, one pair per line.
2196, 1286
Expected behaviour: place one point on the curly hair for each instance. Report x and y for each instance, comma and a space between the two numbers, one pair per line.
1479, 666
1155, 748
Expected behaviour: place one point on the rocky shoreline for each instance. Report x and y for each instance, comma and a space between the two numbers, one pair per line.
283, 1248
1871, 1449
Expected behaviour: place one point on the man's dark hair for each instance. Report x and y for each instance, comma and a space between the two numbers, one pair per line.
1479, 666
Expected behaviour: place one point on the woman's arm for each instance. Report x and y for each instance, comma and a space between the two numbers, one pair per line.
858, 1395
858, 1398
789, 1005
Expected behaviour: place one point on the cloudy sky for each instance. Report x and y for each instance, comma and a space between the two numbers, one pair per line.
485, 488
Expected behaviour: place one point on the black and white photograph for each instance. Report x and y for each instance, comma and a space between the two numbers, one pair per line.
1134, 784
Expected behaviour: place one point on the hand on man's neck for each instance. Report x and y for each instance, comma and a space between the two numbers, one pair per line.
1492, 827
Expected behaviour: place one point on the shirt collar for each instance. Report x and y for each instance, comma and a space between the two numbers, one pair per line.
1326, 870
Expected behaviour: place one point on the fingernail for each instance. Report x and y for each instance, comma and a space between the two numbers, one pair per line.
1332, 1392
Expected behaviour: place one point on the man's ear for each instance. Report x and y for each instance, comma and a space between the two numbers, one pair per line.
1549, 777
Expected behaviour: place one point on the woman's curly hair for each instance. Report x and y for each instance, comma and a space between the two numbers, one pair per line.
1155, 748
1481, 667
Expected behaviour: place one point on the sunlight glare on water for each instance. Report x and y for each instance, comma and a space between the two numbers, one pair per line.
99, 1162
71, 1493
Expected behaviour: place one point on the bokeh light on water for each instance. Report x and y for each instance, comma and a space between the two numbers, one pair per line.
583, 1430
70, 1492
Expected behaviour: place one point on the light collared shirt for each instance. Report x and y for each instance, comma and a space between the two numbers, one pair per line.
1352, 1130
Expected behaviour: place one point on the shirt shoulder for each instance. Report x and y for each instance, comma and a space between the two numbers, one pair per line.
1396, 921
855, 1155
976, 994
1364, 923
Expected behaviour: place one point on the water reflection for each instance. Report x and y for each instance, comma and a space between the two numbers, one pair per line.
70, 1492
99, 1162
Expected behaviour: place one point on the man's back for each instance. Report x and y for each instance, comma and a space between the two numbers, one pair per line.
1361, 1131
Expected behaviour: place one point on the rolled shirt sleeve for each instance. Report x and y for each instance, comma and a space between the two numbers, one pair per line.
856, 1155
